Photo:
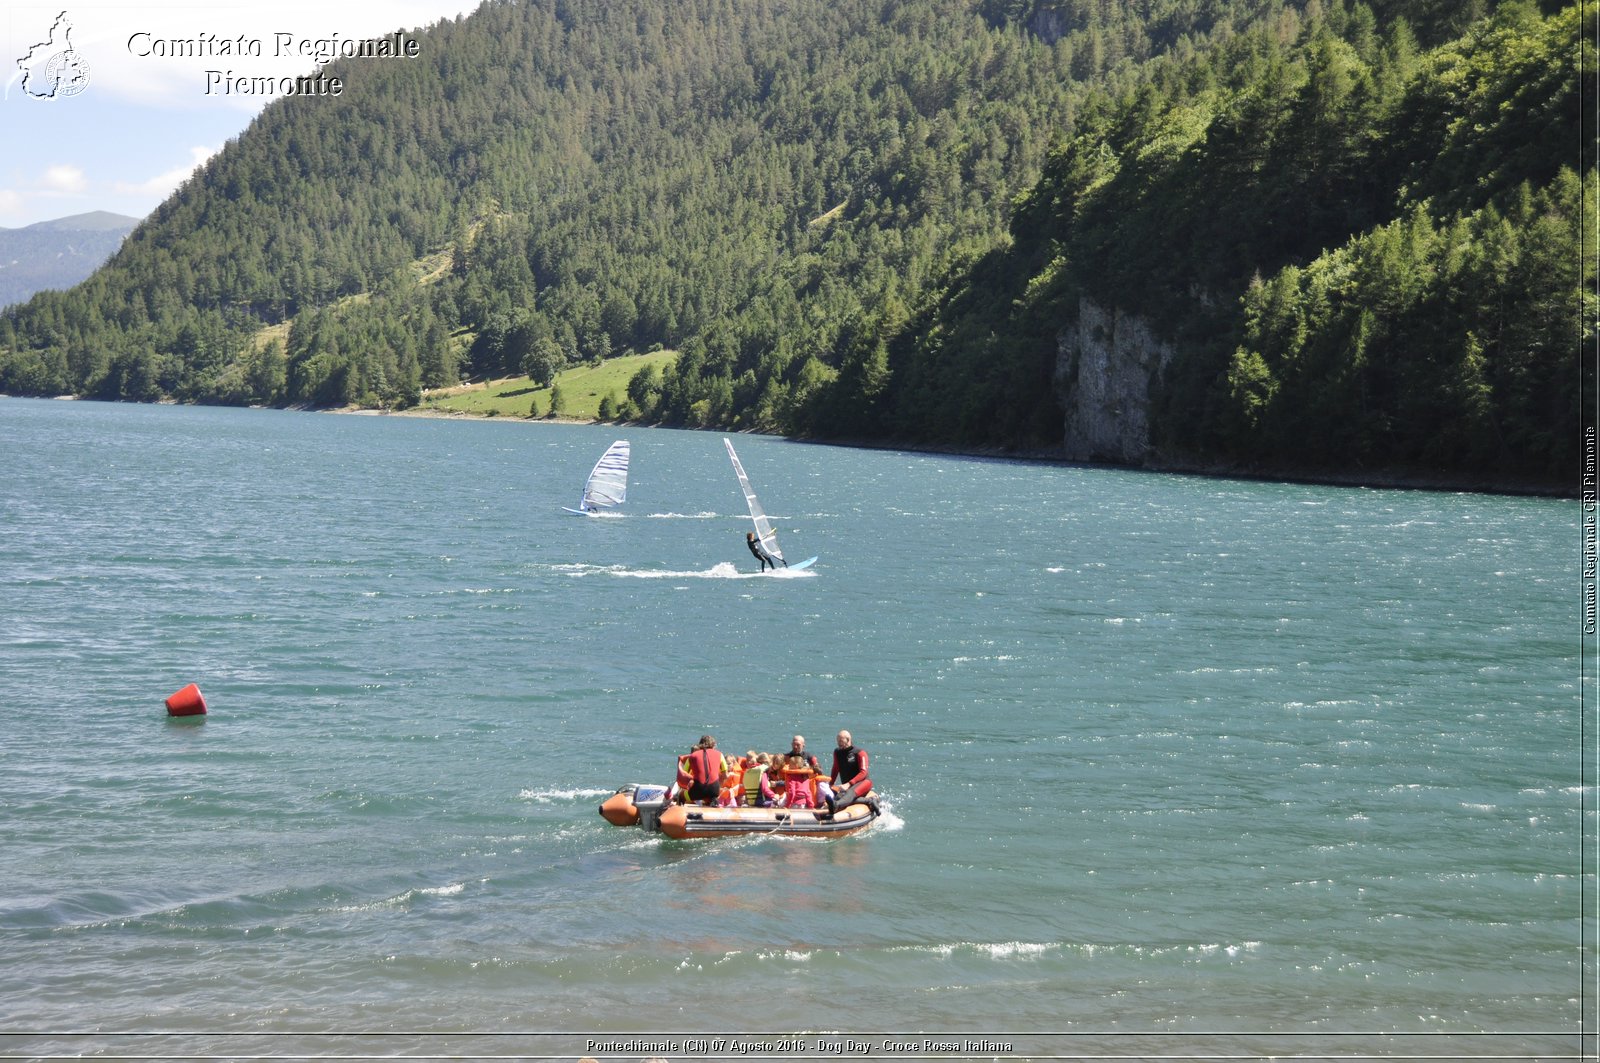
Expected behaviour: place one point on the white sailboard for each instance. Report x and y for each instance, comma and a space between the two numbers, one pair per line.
764, 530
607, 485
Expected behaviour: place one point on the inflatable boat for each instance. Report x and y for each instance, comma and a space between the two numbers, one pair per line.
641, 805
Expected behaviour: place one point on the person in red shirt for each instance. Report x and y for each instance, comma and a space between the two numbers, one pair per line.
700, 773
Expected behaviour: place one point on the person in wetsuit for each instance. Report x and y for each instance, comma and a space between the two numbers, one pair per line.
760, 551
849, 773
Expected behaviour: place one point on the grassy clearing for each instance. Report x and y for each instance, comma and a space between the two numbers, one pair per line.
582, 388
430, 268
271, 335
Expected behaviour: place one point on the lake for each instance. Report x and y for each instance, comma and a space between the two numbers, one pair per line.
1169, 764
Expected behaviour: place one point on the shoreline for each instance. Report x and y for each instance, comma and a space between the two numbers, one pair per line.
1389, 481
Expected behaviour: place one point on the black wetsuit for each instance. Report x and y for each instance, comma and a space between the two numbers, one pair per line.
761, 555
850, 769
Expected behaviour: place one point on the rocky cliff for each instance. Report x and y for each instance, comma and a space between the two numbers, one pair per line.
1106, 365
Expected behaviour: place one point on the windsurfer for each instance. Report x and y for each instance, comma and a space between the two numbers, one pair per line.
760, 552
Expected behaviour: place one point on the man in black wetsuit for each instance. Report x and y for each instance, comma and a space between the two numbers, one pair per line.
849, 773
762, 556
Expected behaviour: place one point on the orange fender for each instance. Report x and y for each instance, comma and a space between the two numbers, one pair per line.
620, 810
675, 821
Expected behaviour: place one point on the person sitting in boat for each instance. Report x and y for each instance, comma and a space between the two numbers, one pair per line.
732, 782
850, 772
758, 791
760, 551
799, 771
700, 773
799, 788
797, 757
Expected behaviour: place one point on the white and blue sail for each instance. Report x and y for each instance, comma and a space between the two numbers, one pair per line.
607, 485
764, 530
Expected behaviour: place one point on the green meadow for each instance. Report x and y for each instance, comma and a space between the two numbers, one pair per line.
582, 387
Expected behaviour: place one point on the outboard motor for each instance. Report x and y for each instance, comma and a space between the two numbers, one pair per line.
650, 801
636, 804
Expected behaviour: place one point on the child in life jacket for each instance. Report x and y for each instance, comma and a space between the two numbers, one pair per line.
732, 783
758, 791
798, 785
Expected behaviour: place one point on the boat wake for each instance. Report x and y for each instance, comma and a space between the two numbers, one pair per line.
725, 570
722, 570
550, 796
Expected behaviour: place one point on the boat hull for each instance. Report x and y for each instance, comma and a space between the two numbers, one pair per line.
644, 806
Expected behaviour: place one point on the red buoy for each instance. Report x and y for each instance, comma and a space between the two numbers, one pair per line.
187, 702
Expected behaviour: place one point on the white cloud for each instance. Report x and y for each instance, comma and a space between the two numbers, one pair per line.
163, 184
50, 192
63, 180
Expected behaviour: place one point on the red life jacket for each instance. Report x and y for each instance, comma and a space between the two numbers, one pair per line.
703, 767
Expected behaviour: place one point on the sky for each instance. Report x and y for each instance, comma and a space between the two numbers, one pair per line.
135, 115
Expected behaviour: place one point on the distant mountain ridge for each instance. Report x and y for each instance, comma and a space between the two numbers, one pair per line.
92, 221
57, 253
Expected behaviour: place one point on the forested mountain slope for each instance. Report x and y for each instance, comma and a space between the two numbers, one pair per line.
596, 176
1307, 208
1323, 249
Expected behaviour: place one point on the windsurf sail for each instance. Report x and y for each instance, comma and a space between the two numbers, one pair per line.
607, 485
764, 532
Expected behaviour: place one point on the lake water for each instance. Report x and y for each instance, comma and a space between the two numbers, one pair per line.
1170, 764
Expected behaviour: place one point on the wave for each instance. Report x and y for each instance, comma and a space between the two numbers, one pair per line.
996, 950
1030, 950
442, 891
404, 899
